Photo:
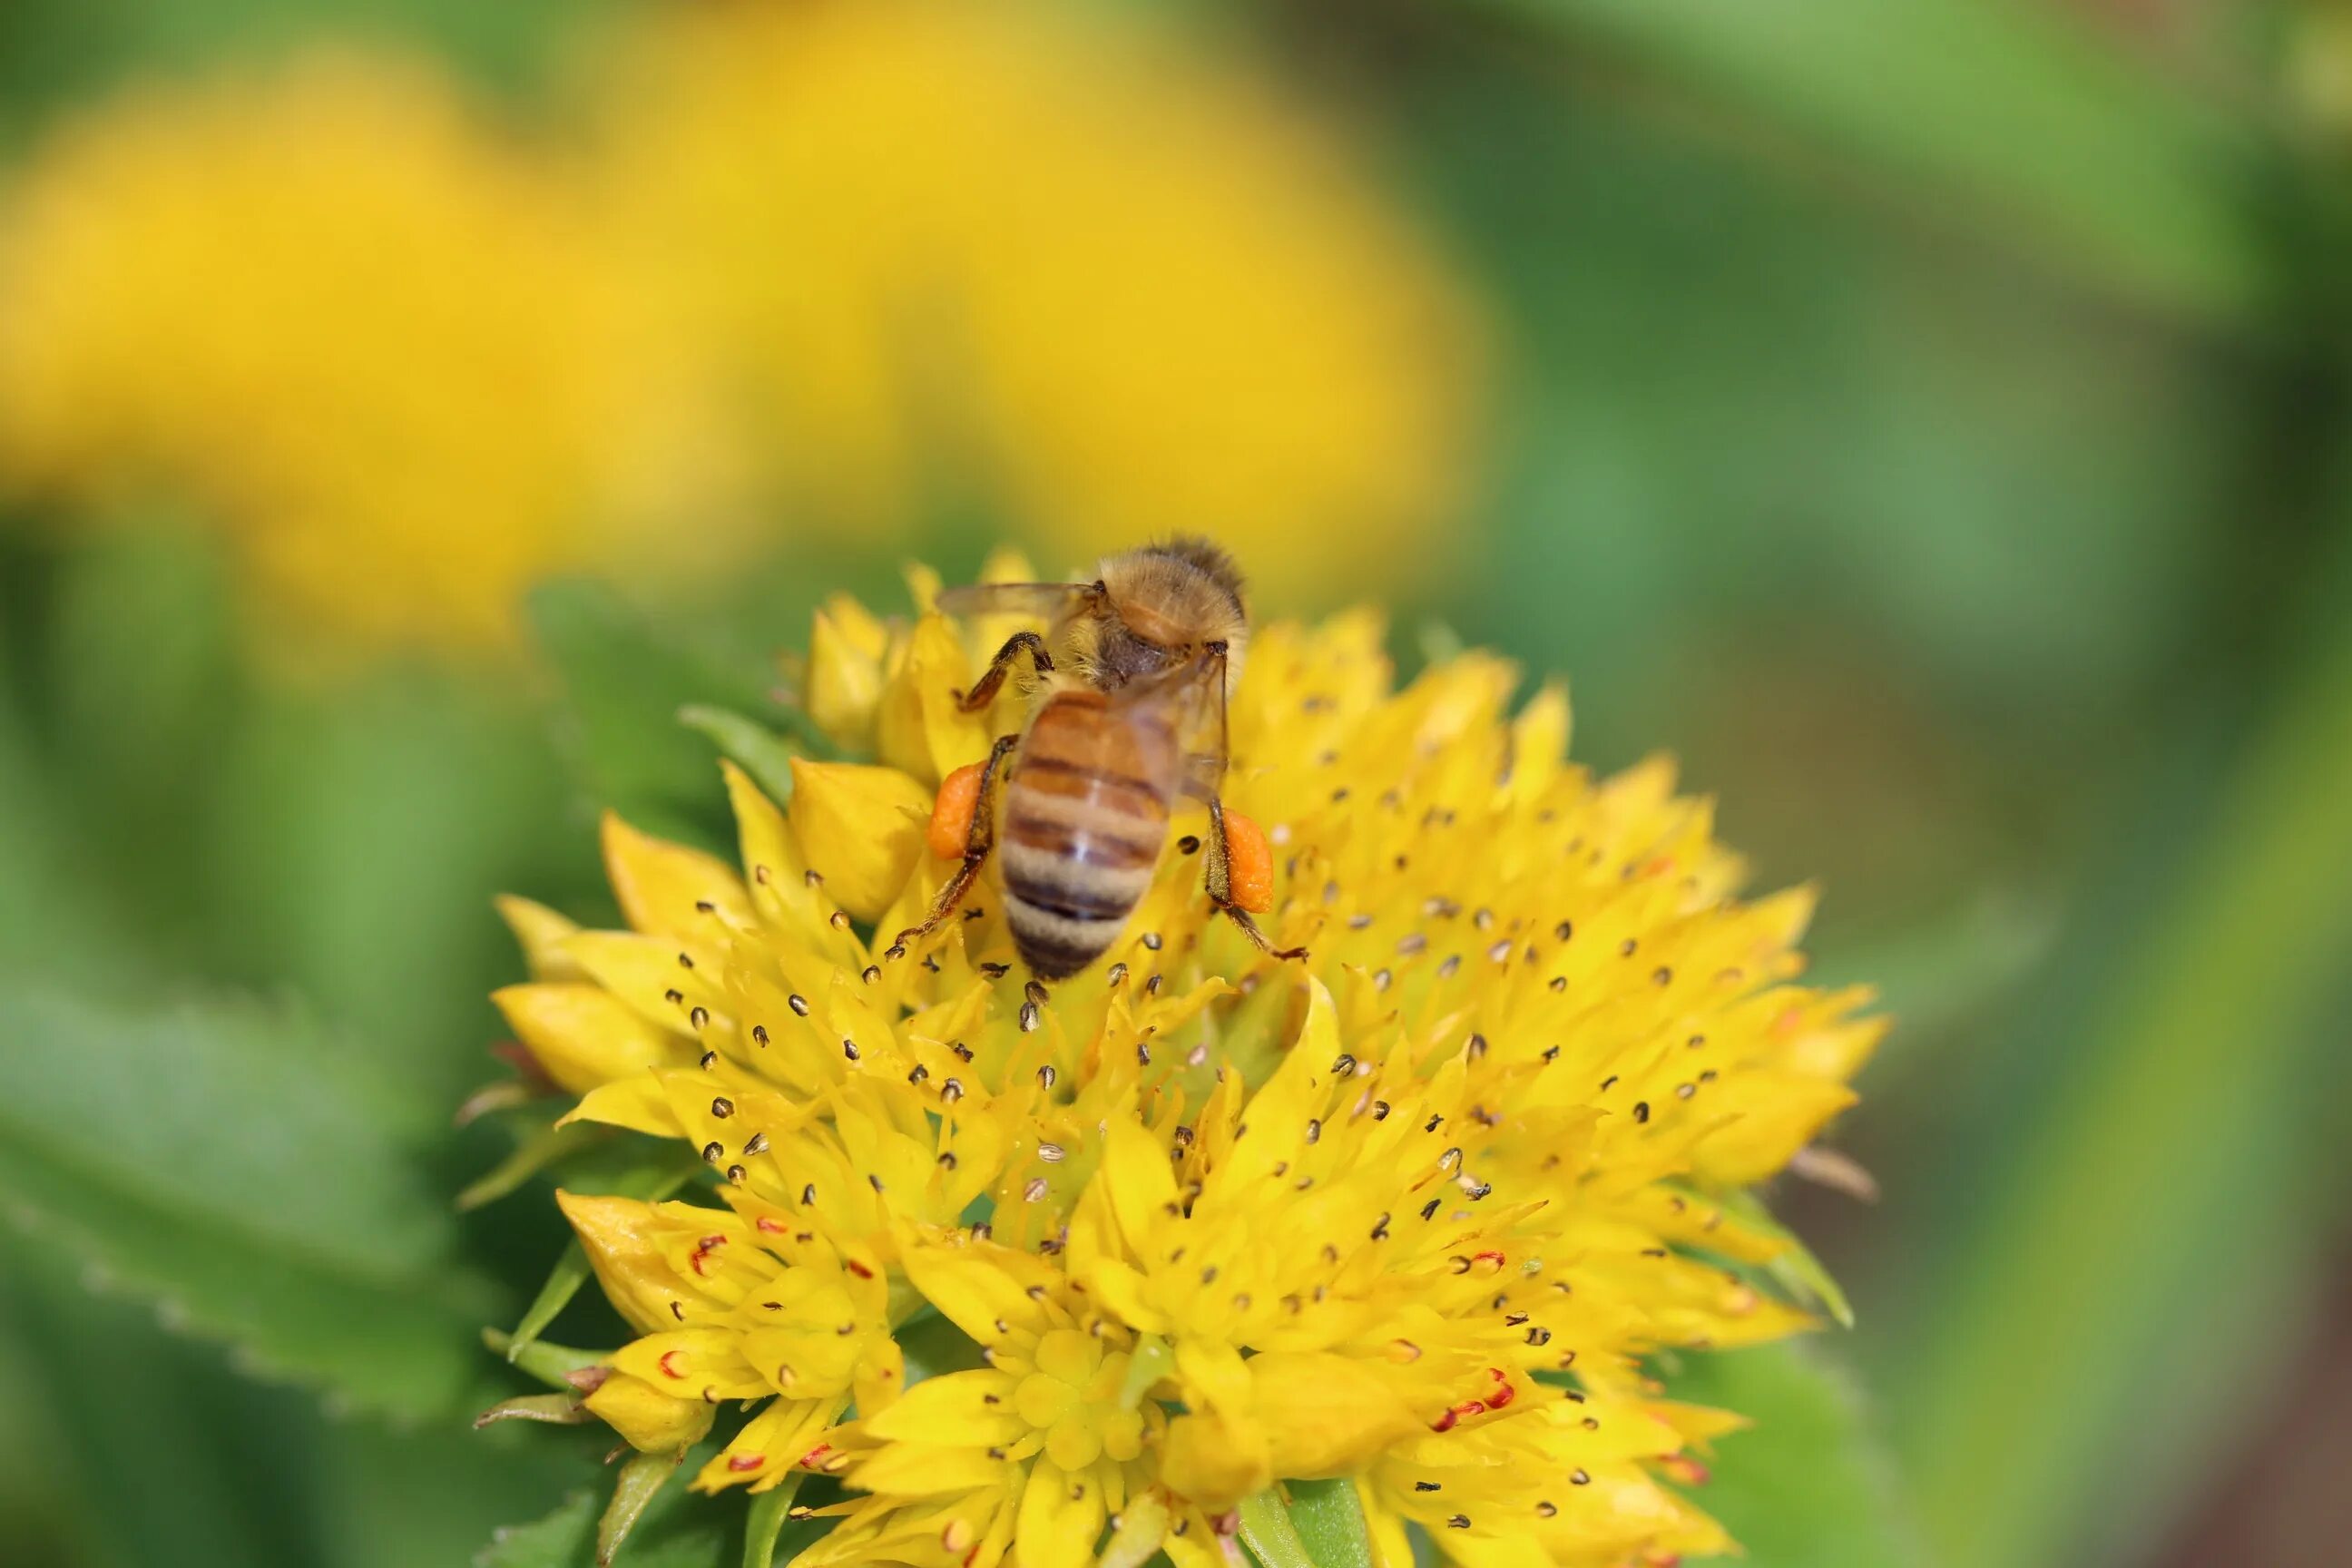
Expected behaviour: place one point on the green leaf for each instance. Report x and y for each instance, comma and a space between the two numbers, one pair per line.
2079, 151
932, 1345
676, 1530
1809, 1485
541, 1149
625, 685
759, 750
2152, 1223
245, 1171
1267, 1531
1329, 1519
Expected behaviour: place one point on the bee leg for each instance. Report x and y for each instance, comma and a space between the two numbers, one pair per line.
985, 690
979, 838
1219, 879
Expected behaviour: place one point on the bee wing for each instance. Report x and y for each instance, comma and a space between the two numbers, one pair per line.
1046, 601
1193, 696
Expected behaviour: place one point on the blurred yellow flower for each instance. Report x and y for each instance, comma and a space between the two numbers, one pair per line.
1110, 291
1412, 1214
361, 335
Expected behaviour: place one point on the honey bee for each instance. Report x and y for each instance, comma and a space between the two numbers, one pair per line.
1133, 674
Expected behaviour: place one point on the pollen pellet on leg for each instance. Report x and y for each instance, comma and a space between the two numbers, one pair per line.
951, 813
1249, 864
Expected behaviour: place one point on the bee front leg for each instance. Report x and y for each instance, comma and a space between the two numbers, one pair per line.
979, 838
1219, 881
985, 690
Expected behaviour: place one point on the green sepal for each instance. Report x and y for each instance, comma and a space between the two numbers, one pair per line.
548, 1364
641, 1479
1269, 1534
1329, 1519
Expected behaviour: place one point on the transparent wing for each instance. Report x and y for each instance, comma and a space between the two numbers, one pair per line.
1046, 601
1193, 697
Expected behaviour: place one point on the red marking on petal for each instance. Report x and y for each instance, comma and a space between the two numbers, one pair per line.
815, 1457
669, 1363
1503, 1393
746, 1462
1445, 1423
772, 1227
859, 1269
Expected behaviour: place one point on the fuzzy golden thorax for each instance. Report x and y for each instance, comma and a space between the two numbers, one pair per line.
1159, 606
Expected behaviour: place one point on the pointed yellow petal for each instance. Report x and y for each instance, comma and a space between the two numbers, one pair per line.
981, 1284
844, 671
625, 1245
926, 1469
955, 1408
583, 1035
860, 828
539, 931
648, 1418
1214, 1461
1061, 1514
771, 1446
1214, 1371
638, 1103
1325, 1414
664, 888
919, 728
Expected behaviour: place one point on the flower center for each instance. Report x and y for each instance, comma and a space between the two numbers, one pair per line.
1072, 1399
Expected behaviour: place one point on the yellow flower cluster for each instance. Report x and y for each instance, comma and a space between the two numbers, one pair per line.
1410, 1213
1090, 279
336, 316
852, 264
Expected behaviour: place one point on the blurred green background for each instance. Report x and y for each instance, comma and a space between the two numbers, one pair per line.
1924, 417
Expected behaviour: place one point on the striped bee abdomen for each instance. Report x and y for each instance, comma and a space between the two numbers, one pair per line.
1085, 815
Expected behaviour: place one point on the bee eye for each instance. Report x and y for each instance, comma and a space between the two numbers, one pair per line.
1101, 588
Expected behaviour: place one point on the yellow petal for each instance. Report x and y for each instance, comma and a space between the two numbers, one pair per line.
638, 1103
860, 828
662, 979
1325, 1414
583, 1035
980, 1285
844, 671
919, 728
1061, 1514
1142, 1525
1214, 1371
954, 1407
924, 1469
647, 1418
539, 931
668, 889
771, 1446
625, 1245
1214, 1461
1136, 1178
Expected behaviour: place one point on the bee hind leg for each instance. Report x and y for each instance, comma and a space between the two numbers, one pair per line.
980, 839
983, 690
1219, 881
